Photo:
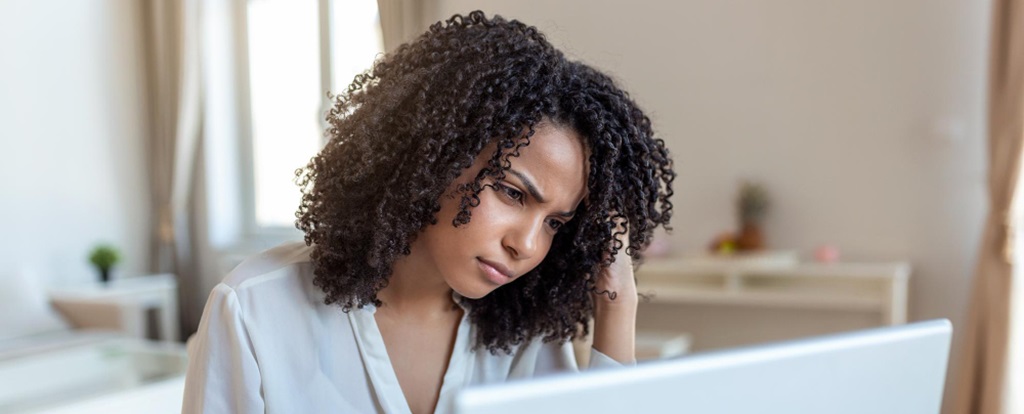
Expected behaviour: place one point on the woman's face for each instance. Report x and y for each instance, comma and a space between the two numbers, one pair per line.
511, 230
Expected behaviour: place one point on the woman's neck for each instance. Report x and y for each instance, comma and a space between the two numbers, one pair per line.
414, 289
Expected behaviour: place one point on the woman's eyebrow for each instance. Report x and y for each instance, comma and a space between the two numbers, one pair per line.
532, 189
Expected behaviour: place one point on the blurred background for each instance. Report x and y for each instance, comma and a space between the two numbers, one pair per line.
169, 132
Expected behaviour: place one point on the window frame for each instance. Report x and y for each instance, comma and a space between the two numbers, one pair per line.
252, 231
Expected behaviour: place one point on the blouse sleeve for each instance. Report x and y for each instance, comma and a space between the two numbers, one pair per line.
599, 360
223, 375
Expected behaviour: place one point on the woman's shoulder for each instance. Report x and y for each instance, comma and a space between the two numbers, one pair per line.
287, 264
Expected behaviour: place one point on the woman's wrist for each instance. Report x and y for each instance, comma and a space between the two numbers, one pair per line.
615, 324
609, 299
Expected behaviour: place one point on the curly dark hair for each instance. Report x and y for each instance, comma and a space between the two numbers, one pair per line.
406, 128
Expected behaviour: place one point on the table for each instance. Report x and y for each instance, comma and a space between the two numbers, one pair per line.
132, 298
119, 375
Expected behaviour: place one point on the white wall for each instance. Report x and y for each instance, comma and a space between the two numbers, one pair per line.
71, 137
865, 119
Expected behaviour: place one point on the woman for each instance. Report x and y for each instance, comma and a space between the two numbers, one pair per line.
480, 200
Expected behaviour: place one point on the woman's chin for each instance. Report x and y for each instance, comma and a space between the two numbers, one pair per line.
473, 292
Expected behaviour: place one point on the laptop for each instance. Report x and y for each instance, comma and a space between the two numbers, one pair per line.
897, 370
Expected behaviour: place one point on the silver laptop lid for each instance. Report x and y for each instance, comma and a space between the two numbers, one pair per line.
898, 370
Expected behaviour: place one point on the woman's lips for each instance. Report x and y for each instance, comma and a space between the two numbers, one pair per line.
495, 272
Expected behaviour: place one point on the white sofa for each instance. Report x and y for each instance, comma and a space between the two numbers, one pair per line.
60, 357
34, 325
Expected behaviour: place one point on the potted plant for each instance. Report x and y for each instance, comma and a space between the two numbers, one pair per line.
104, 257
751, 207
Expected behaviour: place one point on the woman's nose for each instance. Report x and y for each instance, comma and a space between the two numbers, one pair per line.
522, 241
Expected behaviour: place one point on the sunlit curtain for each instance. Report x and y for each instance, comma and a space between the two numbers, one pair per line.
171, 52
982, 381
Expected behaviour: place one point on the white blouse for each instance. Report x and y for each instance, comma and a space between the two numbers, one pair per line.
268, 343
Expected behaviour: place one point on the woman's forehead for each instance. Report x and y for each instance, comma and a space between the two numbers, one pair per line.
556, 159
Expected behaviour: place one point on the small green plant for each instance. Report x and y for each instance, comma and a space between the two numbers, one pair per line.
751, 203
104, 257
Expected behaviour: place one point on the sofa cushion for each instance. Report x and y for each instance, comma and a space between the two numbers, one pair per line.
23, 297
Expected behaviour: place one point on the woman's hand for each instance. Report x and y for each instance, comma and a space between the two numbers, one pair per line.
615, 302
616, 283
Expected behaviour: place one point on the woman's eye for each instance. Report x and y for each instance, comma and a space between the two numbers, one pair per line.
510, 192
555, 224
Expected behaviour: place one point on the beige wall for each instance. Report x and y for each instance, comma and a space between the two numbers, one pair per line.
71, 137
865, 119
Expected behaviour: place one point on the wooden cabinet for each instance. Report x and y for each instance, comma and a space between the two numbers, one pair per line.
773, 289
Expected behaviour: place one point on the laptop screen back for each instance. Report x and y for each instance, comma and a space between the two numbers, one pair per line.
898, 370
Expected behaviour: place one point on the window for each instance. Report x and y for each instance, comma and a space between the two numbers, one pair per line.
298, 50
